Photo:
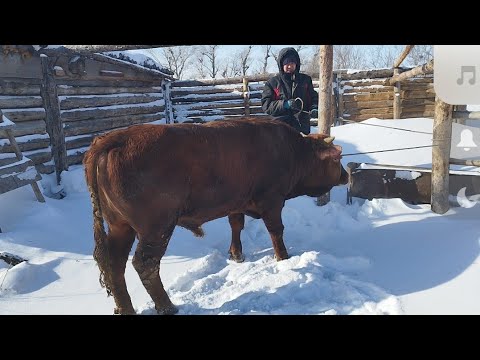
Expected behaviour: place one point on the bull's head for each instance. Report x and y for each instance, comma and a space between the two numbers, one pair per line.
327, 170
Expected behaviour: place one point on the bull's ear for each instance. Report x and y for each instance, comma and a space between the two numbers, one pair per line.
320, 140
330, 153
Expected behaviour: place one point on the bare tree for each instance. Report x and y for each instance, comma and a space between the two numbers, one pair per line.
266, 49
207, 61
177, 58
245, 59
381, 56
348, 57
344, 57
419, 55
232, 67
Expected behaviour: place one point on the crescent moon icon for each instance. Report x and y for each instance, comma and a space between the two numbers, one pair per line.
463, 200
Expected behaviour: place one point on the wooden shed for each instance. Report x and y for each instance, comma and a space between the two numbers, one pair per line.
58, 100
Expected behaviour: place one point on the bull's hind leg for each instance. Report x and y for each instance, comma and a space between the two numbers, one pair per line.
273, 221
237, 222
120, 240
150, 250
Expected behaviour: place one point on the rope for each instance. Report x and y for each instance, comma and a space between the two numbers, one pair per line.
379, 151
387, 127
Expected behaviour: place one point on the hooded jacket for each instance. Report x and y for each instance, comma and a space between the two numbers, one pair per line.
283, 87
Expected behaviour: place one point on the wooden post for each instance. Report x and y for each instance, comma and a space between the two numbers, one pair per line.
442, 139
325, 89
402, 56
54, 124
19, 155
167, 97
341, 105
396, 96
325, 99
246, 97
459, 108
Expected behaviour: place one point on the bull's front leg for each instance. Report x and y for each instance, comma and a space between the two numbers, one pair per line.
237, 223
273, 221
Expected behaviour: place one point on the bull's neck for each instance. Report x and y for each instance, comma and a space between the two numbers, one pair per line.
307, 166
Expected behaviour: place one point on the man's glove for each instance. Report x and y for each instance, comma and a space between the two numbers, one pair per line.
314, 113
294, 104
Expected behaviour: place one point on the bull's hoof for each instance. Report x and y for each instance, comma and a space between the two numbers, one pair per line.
239, 258
282, 256
168, 310
118, 311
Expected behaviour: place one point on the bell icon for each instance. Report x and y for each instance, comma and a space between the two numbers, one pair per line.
466, 140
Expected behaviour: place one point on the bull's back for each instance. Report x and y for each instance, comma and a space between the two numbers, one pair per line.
197, 170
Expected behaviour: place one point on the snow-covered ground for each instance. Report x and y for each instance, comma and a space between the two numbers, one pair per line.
371, 257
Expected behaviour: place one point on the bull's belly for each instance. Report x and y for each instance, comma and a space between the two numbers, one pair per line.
199, 216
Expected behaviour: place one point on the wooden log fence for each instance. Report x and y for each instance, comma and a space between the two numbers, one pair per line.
59, 121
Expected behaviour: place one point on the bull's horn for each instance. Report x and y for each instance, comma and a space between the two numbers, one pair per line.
303, 134
329, 139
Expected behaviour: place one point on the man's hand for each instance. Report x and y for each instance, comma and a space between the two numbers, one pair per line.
314, 113
293, 104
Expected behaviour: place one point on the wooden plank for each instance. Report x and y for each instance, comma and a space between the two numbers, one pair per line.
367, 91
212, 112
422, 69
416, 102
179, 92
365, 82
105, 90
29, 128
413, 94
10, 88
32, 144
45, 169
13, 144
368, 104
75, 159
80, 142
362, 117
107, 83
39, 157
54, 124
210, 82
104, 124
16, 167
421, 114
362, 111
79, 102
101, 69
214, 105
69, 116
16, 181
368, 74
15, 102
195, 99
418, 87
19, 115
418, 108
15, 66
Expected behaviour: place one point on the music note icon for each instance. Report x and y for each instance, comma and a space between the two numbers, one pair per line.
467, 69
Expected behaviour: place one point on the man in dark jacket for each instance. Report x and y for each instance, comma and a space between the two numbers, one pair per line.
289, 96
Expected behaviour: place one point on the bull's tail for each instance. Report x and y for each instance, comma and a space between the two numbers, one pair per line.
100, 253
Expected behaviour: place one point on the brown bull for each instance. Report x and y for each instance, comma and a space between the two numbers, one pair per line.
147, 179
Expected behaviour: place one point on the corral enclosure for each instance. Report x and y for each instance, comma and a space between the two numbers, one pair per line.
357, 96
59, 103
